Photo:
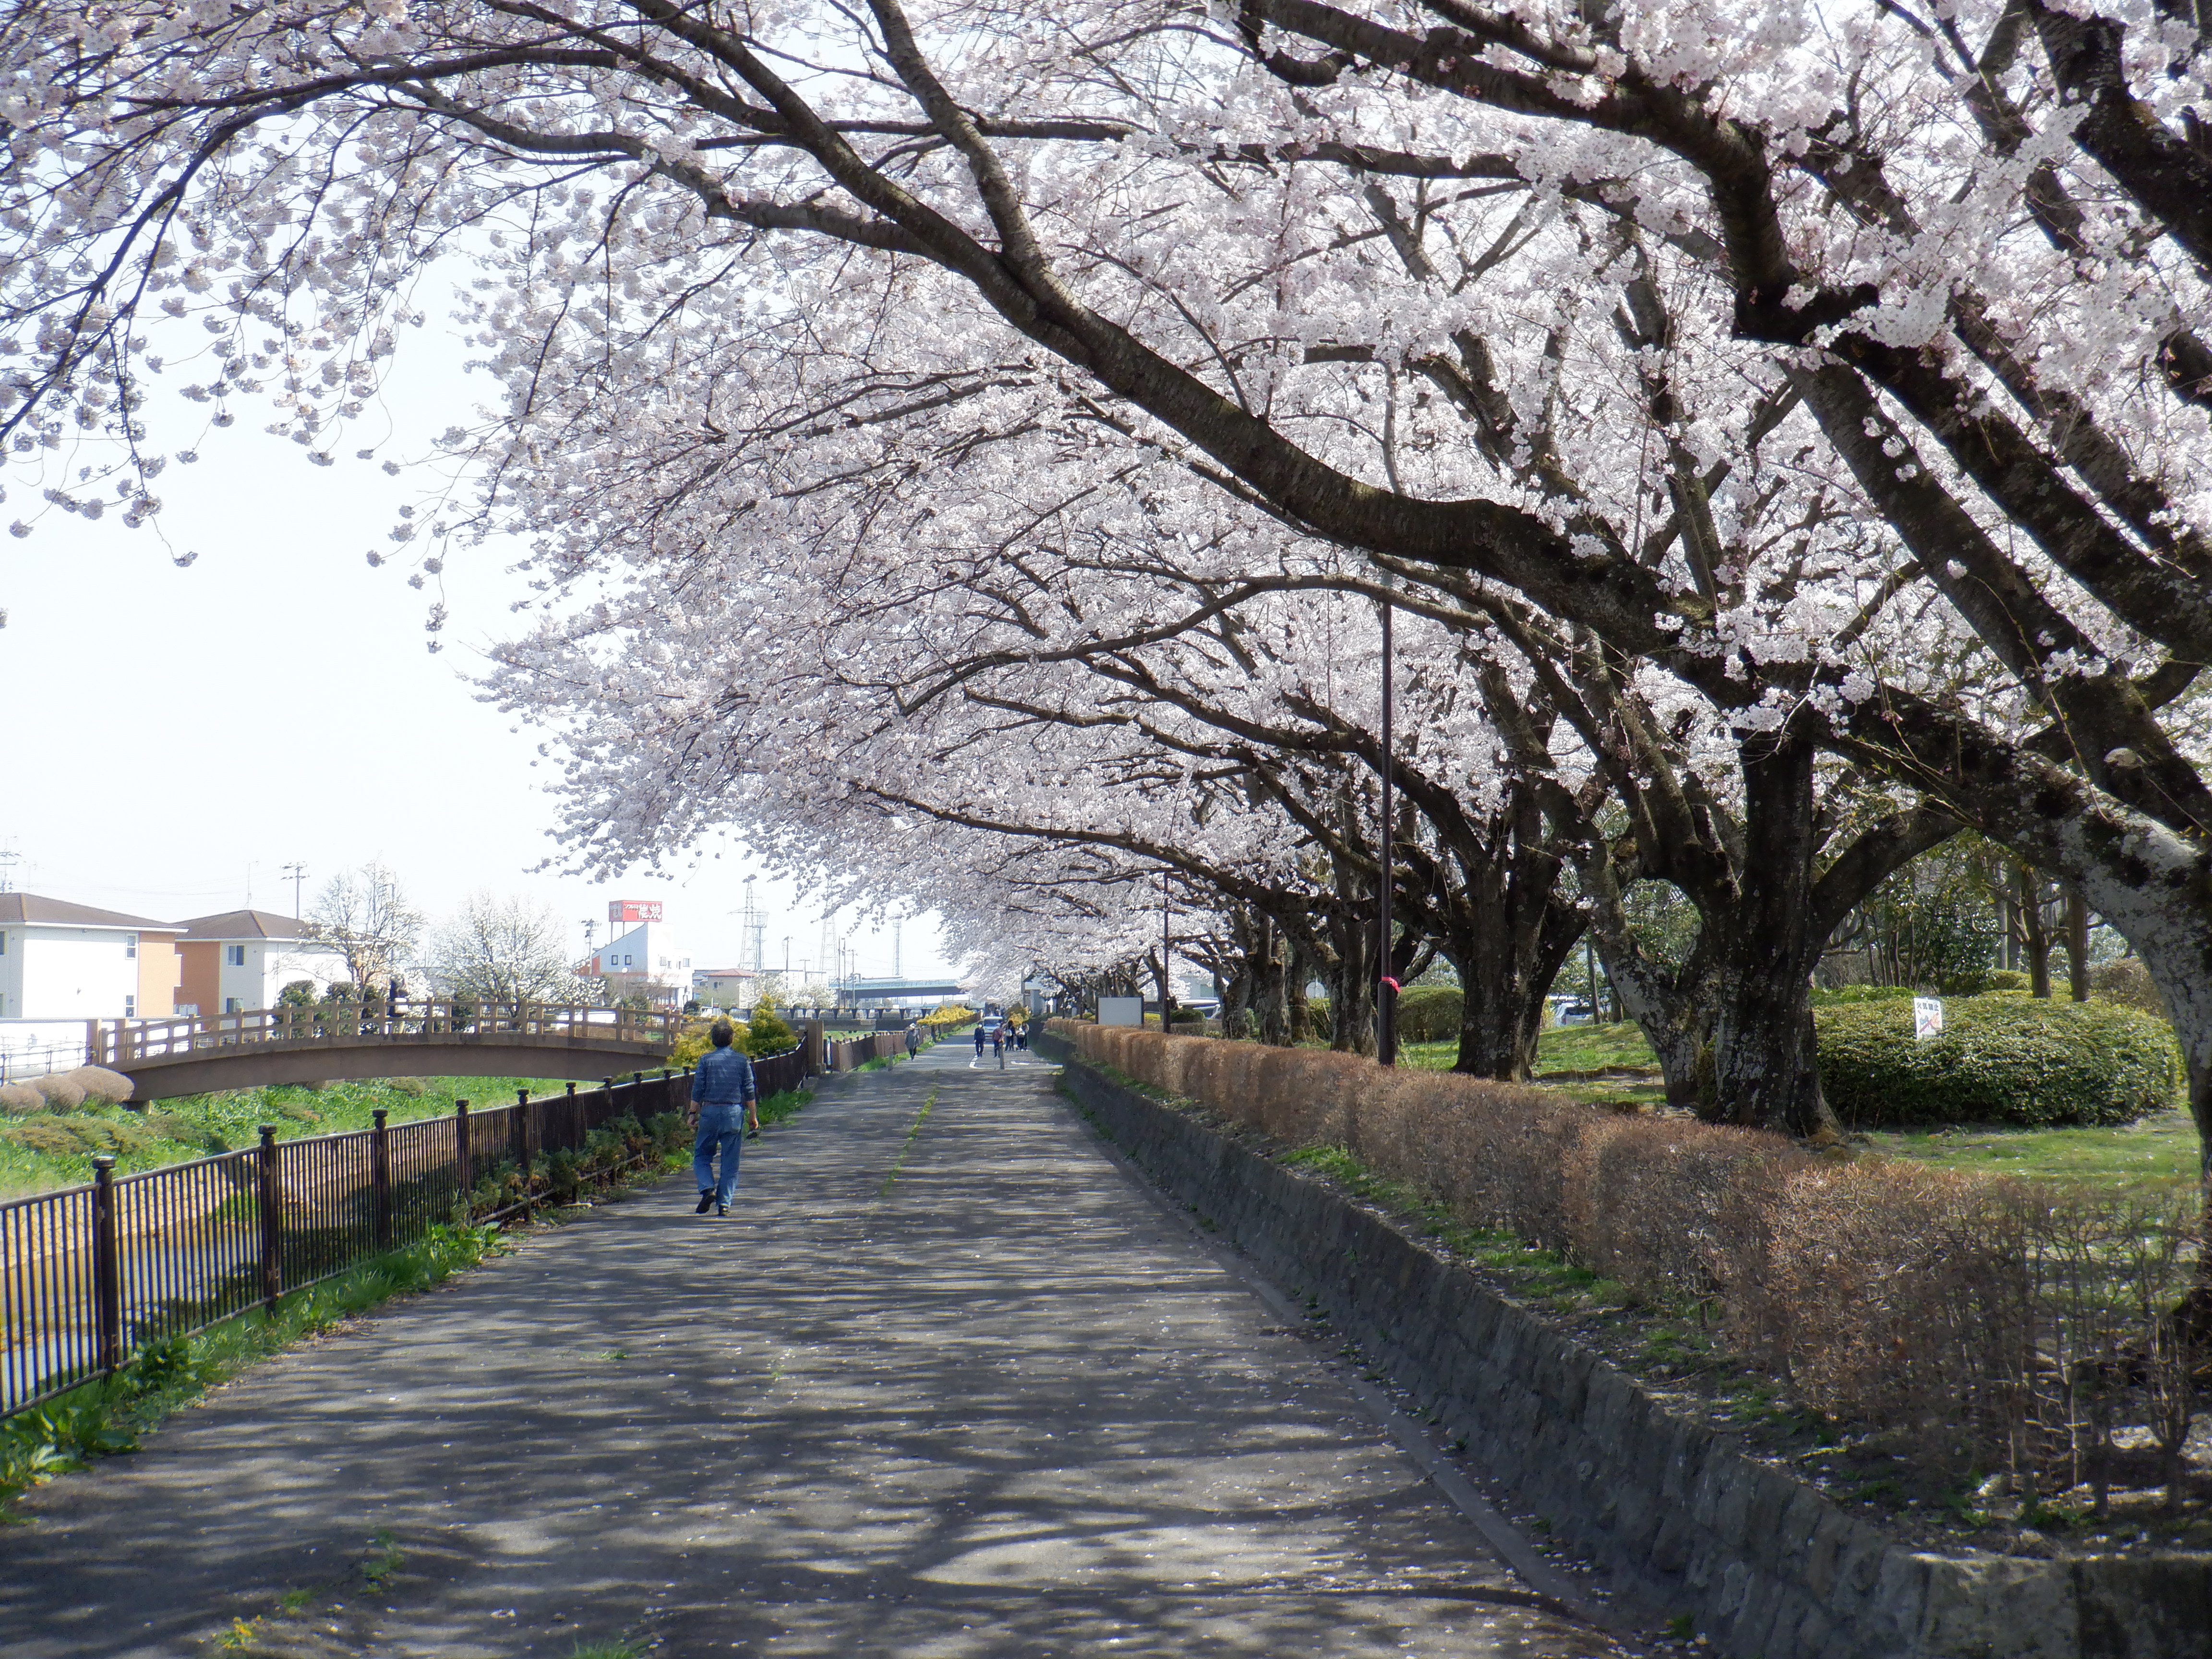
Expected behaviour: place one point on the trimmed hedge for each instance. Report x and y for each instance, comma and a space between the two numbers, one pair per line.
2000, 1059
1948, 1313
1843, 994
1430, 1013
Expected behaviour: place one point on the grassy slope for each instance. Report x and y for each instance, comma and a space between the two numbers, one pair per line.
193, 1125
2161, 1148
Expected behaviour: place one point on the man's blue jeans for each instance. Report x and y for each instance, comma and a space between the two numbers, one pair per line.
722, 1128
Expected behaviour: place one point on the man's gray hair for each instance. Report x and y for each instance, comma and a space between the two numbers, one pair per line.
721, 1033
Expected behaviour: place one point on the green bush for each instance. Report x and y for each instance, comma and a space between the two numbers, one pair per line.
1850, 994
1430, 1013
2127, 981
2001, 1059
767, 1034
68, 1137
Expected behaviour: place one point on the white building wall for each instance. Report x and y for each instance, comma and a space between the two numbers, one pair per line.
280, 962
648, 949
71, 973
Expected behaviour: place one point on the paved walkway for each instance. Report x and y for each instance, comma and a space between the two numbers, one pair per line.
952, 1385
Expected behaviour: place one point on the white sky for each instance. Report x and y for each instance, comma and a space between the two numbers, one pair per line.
169, 739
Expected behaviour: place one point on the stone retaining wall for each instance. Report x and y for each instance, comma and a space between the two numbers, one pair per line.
1766, 1567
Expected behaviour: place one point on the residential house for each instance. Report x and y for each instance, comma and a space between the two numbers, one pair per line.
242, 959
63, 961
643, 962
725, 988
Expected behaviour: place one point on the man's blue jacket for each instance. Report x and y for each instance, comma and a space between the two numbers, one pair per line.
723, 1077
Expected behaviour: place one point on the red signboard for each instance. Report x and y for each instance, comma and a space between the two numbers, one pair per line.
633, 909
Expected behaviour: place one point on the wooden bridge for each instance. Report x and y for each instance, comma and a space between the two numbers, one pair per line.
192, 1053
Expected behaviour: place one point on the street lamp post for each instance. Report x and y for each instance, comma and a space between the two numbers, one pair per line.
1386, 987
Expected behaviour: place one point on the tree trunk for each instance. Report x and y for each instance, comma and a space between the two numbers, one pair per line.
1671, 1009
1765, 1070
2077, 943
2035, 937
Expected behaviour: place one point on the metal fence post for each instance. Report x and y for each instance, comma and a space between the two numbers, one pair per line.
379, 1177
572, 1123
106, 1264
272, 1224
463, 1175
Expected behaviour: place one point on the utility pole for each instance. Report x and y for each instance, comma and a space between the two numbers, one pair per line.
10, 857
296, 872
898, 968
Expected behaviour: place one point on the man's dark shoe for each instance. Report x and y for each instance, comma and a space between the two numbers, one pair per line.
721, 1209
705, 1203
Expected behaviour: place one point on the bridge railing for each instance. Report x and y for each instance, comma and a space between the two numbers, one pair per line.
132, 1042
88, 1273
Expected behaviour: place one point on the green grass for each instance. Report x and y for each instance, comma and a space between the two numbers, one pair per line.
193, 1125
2159, 1150
1573, 1048
1563, 1048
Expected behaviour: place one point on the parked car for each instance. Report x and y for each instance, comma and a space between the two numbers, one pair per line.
1570, 1010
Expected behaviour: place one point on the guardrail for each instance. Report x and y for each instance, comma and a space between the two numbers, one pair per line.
131, 1043
88, 1273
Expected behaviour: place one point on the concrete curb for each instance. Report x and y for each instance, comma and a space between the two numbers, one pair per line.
1764, 1564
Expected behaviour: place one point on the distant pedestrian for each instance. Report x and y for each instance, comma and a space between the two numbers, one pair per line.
723, 1090
913, 1040
1022, 1036
999, 1044
979, 1040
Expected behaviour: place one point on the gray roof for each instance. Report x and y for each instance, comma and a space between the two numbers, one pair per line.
243, 925
30, 910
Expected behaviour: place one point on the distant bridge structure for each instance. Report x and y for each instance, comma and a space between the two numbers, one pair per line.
192, 1053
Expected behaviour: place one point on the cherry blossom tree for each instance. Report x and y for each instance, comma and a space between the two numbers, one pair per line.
1576, 305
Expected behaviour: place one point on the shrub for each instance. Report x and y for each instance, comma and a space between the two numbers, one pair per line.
1955, 1316
2006, 979
2001, 1058
407, 1086
767, 1034
1848, 993
694, 1040
49, 1135
59, 1090
1430, 1013
68, 1137
107, 1088
17, 1098
2128, 982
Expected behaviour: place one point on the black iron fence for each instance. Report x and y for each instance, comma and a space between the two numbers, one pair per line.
88, 1273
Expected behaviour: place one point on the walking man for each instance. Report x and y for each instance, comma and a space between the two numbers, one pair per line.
913, 1039
978, 1039
723, 1090
999, 1044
